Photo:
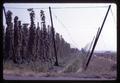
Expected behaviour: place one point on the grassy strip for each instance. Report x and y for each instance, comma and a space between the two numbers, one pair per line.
24, 69
74, 66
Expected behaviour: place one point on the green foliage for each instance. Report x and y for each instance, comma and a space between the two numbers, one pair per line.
30, 45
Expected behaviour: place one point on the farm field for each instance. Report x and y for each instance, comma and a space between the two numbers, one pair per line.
38, 48
100, 68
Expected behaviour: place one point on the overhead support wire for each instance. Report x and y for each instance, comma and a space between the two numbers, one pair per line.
66, 29
59, 7
79, 7
112, 15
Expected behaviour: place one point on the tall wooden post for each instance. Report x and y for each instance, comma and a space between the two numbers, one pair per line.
5, 14
11, 42
53, 38
97, 37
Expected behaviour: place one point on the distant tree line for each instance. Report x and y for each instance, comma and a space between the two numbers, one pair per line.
25, 44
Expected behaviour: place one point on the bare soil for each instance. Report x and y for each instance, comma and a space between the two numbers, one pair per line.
99, 68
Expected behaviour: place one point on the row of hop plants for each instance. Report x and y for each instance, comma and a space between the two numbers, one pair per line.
23, 44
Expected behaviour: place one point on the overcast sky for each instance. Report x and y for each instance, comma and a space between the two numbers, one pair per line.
77, 23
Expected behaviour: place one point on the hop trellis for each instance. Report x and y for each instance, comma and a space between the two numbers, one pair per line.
29, 44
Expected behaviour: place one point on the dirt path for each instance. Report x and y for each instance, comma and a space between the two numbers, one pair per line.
66, 67
13, 77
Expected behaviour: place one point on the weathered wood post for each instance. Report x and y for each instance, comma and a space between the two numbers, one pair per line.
97, 37
53, 37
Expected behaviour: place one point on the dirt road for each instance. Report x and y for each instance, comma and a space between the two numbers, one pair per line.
13, 77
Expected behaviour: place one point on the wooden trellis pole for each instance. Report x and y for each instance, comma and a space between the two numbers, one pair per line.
53, 37
96, 39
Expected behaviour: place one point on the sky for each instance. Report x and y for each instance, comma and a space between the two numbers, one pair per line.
77, 23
